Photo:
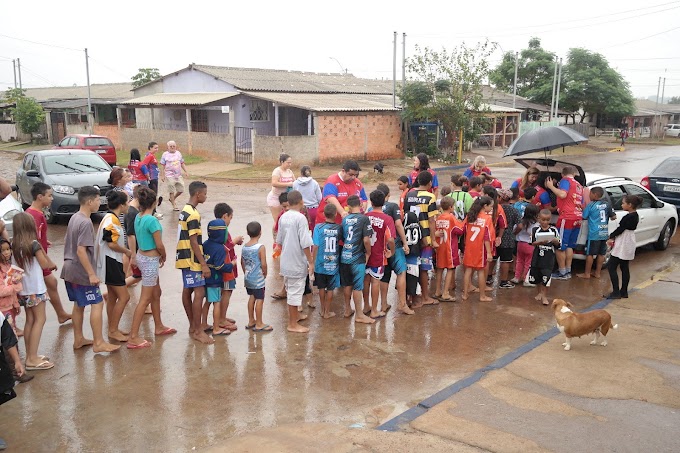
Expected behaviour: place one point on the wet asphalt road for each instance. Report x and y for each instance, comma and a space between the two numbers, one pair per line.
179, 394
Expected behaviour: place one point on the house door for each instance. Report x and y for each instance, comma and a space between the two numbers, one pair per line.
58, 120
243, 145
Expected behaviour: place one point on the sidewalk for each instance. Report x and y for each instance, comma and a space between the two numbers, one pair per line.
623, 397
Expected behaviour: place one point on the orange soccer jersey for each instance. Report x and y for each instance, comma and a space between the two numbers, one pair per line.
447, 252
476, 234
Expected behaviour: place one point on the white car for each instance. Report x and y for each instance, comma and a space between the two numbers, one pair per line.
658, 220
672, 130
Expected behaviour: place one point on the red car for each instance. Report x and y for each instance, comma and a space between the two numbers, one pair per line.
97, 143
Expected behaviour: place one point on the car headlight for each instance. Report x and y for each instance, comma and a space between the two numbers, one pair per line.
9, 215
68, 190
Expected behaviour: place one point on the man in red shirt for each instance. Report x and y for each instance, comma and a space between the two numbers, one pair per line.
382, 248
42, 199
569, 194
339, 187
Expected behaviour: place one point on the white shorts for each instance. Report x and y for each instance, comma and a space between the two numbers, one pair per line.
273, 200
295, 287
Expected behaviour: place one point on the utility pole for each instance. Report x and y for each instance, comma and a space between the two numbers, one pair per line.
19, 70
514, 88
552, 102
89, 98
394, 72
656, 112
557, 97
663, 90
403, 61
14, 70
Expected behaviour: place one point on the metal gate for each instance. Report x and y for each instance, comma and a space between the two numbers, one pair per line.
243, 145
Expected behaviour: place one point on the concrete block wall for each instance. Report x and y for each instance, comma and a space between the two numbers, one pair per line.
303, 149
361, 136
111, 132
198, 143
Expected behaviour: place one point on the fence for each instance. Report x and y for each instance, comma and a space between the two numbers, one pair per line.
10, 132
528, 126
581, 128
198, 126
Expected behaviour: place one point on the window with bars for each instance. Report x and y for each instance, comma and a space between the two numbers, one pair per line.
259, 110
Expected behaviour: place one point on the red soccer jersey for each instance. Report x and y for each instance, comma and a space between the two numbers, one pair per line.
383, 230
476, 234
135, 168
447, 252
570, 207
40, 226
341, 190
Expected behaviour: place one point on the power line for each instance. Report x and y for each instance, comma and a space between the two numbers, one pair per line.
640, 39
41, 43
645, 59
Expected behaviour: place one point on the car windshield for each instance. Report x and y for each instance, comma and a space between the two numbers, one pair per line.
78, 163
98, 141
668, 169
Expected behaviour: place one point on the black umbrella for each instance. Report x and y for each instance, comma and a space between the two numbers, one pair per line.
545, 139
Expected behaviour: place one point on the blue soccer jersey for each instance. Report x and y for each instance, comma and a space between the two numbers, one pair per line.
598, 214
327, 237
355, 227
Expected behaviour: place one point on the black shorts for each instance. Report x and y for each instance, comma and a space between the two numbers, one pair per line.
326, 282
596, 247
114, 272
258, 293
504, 254
308, 287
153, 185
539, 276
411, 284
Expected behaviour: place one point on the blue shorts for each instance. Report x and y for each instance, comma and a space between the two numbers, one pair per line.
229, 286
426, 259
258, 293
192, 279
353, 275
83, 295
213, 294
596, 247
569, 236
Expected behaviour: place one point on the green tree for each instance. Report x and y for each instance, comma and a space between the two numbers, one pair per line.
674, 100
591, 86
535, 73
447, 88
144, 76
27, 113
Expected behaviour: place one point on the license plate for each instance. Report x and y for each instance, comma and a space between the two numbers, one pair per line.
671, 188
101, 151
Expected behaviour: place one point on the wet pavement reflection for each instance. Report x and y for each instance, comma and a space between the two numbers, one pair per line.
180, 394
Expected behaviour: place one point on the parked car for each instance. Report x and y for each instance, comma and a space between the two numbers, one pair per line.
97, 143
664, 181
66, 170
9, 207
672, 130
658, 220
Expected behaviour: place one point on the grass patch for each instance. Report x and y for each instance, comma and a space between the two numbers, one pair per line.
667, 141
14, 146
123, 157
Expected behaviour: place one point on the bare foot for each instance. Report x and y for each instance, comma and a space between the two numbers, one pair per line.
405, 310
349, 314
329, 315
300, 309
464, 296
545, 302
297, 328
82, 343
203, 338
148, 310
63, 318
364, 319
377, 314
20, 332
106, 347
485, 299
118, 336
311, 304
595, 275
302, 317
430, 301
539, 297
583, 275
205, 327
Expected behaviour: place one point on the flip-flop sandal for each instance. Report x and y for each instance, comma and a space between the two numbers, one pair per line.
223, 333
44, 358
168, 331
233, 321
350, 315
44, 365
231, 327
381, 315
387, 309
277, 296
250, 326
208, 330
436, 302
447, 299
266, 328
142, 345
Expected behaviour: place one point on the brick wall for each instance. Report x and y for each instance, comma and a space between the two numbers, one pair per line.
111, 132
303, 149
372, 136
199, 143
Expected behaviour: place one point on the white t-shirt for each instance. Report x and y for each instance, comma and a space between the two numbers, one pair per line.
284, 177
173, 164
294, 237
32, 281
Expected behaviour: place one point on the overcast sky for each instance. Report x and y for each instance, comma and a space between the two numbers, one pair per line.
126, 35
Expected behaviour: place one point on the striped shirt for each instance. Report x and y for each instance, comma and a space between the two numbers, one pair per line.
189, 225
424, 205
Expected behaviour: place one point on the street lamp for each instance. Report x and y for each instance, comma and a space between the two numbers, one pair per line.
342, 69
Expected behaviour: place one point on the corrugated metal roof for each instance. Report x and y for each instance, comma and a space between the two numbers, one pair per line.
270, 80
179, 98
75, 103
500, 108
97, 90
329, 102
644, 107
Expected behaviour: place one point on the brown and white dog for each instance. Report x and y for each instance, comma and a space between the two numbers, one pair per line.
573, 324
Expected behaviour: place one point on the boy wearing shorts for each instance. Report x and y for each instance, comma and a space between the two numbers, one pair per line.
326, 258
190, 260
225, 212
543, 259
173, 166
82, 283
598, 213
296, 257
414, 236
357, 233
382, 248
254, 265
447, 252
215, 257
